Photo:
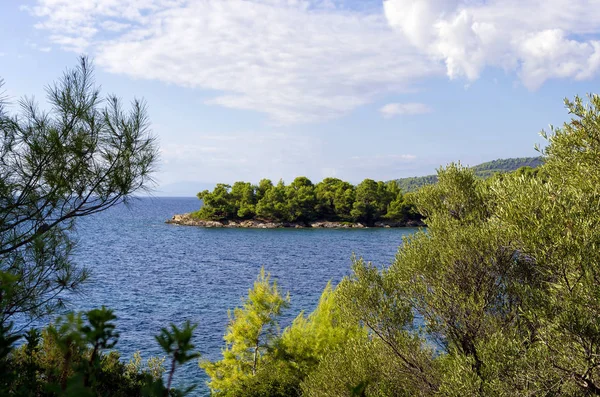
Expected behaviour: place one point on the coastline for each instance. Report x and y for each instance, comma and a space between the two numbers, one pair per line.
188, 220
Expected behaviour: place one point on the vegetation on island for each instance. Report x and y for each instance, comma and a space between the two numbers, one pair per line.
301, 201
484, 170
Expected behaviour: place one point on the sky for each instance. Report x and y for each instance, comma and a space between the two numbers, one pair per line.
354, 89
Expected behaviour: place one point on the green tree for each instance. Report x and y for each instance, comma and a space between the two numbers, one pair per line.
71, 358
334, 199
301, 200
369, 206
398, 209
345, 195
504, 281
218, 204
359, 367
286, 358
310, 338
82, 156
273, 205
177, 344
263, 187
250, 335
553, 221
325, 196
244, 196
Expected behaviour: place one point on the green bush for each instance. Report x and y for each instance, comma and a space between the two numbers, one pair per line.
69, 358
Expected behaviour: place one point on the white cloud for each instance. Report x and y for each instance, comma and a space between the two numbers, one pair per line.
114, 26
539, 40
310, 60
35, 46
394, 109
297, 61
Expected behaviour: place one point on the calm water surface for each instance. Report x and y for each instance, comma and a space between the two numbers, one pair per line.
152, 273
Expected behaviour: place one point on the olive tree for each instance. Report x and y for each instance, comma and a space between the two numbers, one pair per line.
79, 155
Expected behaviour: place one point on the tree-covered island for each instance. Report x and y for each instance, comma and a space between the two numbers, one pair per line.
329, 203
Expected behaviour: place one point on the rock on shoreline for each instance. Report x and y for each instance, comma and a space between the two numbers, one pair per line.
188, 220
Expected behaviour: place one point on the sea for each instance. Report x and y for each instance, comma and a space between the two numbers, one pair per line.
153, 274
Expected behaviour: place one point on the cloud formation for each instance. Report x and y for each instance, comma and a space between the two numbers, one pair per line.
539, 40
312, 60
394, 109
297, 61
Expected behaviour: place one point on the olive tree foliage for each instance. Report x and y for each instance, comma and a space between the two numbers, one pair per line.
77, 156
555, 220
503, 284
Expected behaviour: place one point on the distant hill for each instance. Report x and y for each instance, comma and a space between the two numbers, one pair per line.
484, 170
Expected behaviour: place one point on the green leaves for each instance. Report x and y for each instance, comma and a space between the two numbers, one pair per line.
259, 360
250, 336
81, 156
505, 281
302, 202
71, 358
101, 331
177, 343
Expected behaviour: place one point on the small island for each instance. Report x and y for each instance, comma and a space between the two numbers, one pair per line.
331, 203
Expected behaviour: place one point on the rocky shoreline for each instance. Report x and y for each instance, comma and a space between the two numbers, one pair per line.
188, 220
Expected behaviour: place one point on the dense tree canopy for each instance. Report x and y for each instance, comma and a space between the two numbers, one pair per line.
301, 201
499, 296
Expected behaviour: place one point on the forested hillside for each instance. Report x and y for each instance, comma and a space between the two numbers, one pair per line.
484, 170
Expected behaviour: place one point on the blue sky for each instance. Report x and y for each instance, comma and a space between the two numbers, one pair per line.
247, 89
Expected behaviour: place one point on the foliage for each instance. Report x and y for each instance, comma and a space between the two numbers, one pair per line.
334, 199
250, 335
81, 156
218, 204
273, 203
176, 343
373, 200
486, 170
245, 199
302, 202
309, 338
359, 367
69, 358
498, 296
261, 361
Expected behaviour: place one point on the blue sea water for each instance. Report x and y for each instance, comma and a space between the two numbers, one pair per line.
152, 273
